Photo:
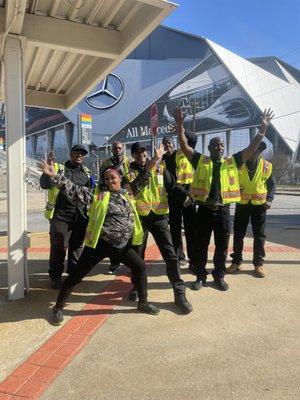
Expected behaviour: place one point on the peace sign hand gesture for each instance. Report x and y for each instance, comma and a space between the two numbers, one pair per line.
178, 116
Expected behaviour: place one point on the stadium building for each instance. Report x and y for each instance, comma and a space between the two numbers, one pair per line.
219, 92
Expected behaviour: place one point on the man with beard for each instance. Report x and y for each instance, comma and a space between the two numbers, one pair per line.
215, 186
257, 193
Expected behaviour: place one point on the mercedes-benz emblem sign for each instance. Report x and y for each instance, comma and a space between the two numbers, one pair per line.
110, 91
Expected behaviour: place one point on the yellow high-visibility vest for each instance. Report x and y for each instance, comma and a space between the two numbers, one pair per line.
53, 192
201, 185
152, 197
184, 169
98, 213
124, 166
255, 191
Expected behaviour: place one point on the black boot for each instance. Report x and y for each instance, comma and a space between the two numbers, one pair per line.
221, 284
180, 299
199, 283
57, 316
148, 308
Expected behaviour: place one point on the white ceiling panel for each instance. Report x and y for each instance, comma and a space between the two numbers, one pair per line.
70, 45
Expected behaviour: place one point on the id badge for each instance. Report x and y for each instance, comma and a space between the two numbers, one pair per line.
160, 179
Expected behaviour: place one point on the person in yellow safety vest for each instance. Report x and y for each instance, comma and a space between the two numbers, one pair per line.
114, 228
181, 206
152, 207
68, 218
119, 160
214, 187
257, 193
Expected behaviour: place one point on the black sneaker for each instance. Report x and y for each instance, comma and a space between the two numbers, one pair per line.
112, 270
182, 302
221, 284
147, 308
56, 283
57, 316
133, 295
197, 285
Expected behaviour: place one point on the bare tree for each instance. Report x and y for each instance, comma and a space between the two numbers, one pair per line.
283, 169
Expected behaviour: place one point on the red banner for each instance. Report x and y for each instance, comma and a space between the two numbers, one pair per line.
154, 119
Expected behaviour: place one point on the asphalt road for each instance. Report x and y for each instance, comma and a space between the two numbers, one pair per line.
285, 211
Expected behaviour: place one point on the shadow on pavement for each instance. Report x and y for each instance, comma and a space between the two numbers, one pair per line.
284, 229
41, 298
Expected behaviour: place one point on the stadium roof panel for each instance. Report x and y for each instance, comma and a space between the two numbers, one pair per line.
266, 90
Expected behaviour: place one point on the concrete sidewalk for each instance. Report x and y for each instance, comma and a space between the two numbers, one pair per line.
242, 344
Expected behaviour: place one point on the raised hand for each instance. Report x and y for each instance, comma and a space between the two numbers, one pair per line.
266, 120
159, 152
50, 157
178, 116
45, 168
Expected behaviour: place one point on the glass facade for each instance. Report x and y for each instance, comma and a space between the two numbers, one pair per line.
29, 149
60, 146
41, 147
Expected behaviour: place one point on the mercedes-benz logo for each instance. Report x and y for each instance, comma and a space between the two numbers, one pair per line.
110, 93
184, 105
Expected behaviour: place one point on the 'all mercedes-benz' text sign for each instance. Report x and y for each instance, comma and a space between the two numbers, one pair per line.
107, 94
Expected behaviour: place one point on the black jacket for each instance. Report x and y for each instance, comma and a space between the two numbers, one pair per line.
65, 209
176, 191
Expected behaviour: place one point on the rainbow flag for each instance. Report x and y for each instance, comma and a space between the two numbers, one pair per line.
86, 118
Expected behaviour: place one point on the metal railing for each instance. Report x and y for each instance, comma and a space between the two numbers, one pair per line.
32, 173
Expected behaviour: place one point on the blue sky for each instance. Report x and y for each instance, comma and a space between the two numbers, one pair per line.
252, 28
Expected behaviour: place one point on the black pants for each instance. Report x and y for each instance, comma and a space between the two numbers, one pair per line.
158, 226
65, 235
218, 222
243, 213
90, 257
188, 214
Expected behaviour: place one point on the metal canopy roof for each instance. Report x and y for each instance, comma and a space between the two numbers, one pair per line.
70, 45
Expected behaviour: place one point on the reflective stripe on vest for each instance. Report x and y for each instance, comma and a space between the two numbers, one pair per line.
98, 213
201, 185
153, 197
184, 169
256, 190
52, 194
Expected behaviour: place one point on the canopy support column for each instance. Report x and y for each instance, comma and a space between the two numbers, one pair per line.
16, 187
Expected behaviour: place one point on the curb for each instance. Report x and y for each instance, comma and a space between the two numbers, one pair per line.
288, 193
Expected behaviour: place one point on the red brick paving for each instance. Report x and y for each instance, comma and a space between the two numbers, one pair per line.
31, 378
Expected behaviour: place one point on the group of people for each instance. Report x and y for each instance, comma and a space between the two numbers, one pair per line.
112, 218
